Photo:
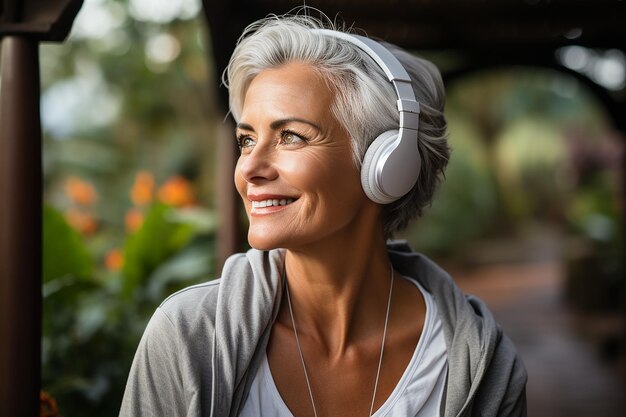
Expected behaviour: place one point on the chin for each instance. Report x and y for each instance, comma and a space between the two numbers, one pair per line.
268, 241
261, 245
263, 242
263, 235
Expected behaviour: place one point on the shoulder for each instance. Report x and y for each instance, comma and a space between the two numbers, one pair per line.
247, 278
192, 304
502, 391
173, 360
185, 321
173, 367
197, 303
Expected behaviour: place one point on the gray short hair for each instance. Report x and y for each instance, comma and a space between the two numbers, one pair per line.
365, 103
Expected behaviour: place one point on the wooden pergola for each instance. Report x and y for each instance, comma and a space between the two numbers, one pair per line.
488, 33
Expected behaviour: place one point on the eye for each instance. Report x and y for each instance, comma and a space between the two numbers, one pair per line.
288, 137
244, 142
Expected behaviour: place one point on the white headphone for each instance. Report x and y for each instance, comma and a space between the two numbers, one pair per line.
392, 162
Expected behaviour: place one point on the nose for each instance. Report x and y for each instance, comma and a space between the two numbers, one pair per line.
258, 165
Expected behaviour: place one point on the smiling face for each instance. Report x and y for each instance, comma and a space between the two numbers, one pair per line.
295, 174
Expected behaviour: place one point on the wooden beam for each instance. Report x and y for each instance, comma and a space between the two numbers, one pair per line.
442, 24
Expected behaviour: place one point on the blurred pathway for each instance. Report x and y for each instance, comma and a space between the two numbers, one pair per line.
567, 377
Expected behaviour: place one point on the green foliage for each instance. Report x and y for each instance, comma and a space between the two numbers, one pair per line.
94, 317
516, 136
65, 255
467, 192
158, 239
129, 91
531, 159
79, 312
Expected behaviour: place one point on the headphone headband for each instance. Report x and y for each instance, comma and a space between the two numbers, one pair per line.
390, 169
393, 69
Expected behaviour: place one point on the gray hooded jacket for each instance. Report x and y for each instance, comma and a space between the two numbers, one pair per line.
201, 349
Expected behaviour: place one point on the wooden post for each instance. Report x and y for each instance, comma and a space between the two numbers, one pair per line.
20, 228
230, 233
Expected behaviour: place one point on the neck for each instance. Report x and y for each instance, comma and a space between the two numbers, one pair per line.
339, 289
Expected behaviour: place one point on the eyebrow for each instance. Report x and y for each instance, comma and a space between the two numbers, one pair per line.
279, 123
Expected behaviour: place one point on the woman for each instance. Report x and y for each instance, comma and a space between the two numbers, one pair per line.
342, 143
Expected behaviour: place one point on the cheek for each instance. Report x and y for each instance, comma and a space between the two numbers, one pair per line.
326, 177
306, 171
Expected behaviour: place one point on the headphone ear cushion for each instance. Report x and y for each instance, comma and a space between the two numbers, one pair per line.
370, 166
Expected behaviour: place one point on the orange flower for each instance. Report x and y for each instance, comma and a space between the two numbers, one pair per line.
47, 405
176, 192
80, 191
81, 221
141, 193
114, 260
133, 219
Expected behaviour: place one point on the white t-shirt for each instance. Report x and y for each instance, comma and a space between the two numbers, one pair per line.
417, 394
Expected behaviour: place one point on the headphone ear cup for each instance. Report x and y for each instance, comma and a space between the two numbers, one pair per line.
372, 162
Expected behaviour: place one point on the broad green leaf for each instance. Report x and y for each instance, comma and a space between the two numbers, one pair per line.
64, 253
156, 240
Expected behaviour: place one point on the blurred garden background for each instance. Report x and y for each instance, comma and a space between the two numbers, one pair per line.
131, 122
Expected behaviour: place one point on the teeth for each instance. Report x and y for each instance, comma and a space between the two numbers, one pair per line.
273, 202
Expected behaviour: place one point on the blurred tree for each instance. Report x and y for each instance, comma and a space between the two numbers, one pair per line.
518, 137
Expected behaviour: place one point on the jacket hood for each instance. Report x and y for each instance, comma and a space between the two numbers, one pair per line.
247, 304
470, 329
